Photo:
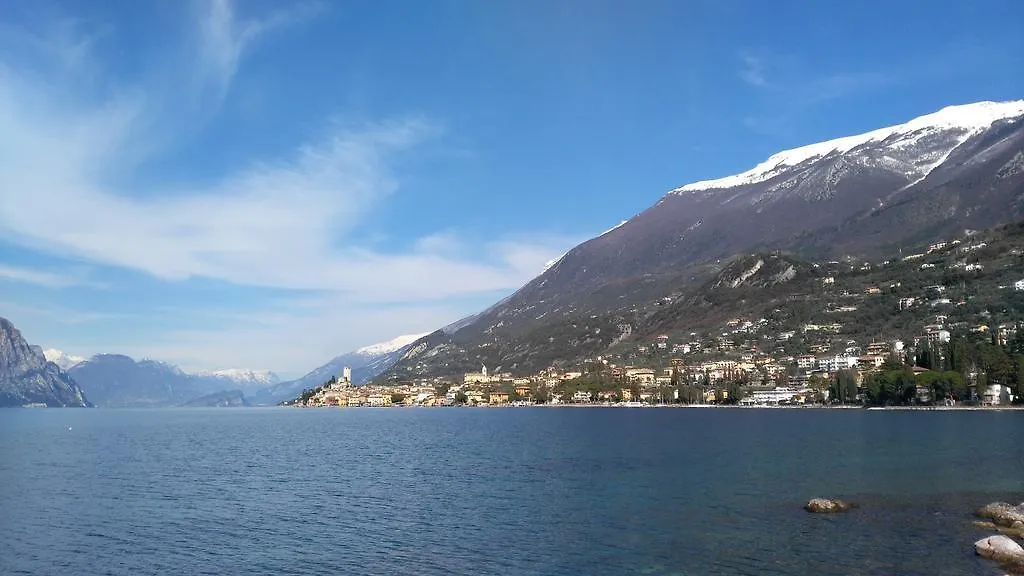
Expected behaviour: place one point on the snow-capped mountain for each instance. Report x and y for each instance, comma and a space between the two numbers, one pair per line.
242, 377
62, 360
389, 346
366, 363
914, 148
932, 177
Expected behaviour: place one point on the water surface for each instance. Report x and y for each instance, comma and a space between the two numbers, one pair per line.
499, 491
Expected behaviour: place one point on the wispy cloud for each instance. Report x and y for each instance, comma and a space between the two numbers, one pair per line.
291, 221
752, 70
224, 39
786, 89
46, 278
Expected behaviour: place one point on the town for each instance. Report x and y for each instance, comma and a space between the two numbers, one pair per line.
950, 311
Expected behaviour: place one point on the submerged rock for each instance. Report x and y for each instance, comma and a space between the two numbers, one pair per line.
827, 506
1003, 514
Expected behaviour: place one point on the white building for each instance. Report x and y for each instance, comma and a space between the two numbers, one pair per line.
1018, 285
837, 362
996, 395
770, 397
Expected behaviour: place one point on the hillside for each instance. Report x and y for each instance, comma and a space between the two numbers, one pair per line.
861, 197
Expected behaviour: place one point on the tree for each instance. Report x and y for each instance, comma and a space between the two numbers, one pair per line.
818, 386
540, 395
397, 397
442, 388
844, 388
461, 398
734, 392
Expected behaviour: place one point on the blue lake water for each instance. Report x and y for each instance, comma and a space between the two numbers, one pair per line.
499, 491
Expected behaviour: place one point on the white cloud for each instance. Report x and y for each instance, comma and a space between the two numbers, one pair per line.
281, 223
287, 222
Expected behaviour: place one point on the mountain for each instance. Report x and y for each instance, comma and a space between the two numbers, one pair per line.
366, 363
224, 399
26, 377
64, 361
117, 381
865, 195
242, 377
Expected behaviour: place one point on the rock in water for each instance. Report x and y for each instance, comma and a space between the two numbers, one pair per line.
1001, 549
827, 506
1003, 514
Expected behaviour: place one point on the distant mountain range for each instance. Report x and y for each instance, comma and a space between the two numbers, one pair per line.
865, 195
27, 378
366, 363
114, 380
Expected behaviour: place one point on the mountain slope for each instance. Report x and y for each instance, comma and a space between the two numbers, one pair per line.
26, 377
366, 363
865, 195
224, 399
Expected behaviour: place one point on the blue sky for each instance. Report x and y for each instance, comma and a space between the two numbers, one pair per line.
265, 185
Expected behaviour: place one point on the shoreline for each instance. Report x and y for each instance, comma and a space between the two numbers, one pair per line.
712, 406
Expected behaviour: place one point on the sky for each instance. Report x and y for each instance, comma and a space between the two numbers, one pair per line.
266, 185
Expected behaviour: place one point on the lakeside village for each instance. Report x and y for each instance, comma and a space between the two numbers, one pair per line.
968, 351
932, 370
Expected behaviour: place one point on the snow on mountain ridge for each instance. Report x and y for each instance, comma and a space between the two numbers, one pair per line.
61, 359
389, 346
242, 376
970, 118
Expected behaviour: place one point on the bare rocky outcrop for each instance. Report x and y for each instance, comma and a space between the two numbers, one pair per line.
828, 506
27, 378
1003, 514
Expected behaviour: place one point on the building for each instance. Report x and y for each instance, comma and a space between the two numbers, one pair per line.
640, 375
1018, 285
773, 397
378, 400
996, 395
523, 391
836, 363
480, 377
497, 398
581, 396
806, 362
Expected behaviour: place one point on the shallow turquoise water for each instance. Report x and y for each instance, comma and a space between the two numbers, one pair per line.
499, 491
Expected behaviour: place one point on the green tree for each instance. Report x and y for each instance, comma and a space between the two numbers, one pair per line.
397, 397
461, 398
818, 386
734, 392
844, 387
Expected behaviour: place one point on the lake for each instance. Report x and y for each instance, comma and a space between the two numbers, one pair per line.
532, 491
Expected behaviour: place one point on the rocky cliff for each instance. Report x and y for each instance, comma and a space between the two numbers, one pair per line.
27, 378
